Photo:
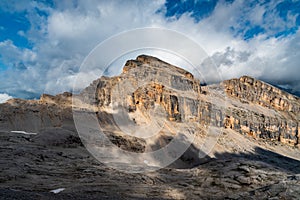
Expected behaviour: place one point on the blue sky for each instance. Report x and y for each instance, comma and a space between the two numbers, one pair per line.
43, 43
12, 25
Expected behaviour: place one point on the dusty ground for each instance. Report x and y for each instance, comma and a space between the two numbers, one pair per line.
33, 165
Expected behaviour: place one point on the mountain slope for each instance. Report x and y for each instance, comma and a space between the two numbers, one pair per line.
248, 129
246, 105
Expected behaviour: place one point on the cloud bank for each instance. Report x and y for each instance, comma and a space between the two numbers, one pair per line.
241, 37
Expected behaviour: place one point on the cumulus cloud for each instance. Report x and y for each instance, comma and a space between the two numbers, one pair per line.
4, 97
63, 38
68, 31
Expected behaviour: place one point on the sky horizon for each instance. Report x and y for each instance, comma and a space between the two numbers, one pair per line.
43, 43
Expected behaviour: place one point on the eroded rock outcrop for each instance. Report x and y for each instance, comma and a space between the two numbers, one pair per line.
35, 115
246, 105
281, 123
255, 91
264, 111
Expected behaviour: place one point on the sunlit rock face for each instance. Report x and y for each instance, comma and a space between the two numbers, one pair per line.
280, 123
246, 105
255, 91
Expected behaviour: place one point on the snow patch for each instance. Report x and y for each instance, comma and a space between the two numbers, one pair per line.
24, 132
56, 191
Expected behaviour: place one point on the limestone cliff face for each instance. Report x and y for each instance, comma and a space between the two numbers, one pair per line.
260, 93
145, 82
246, 105
281, 123
253, 108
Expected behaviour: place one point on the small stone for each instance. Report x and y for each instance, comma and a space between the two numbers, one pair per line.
244, 180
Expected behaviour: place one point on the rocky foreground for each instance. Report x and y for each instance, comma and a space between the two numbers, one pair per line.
255, 155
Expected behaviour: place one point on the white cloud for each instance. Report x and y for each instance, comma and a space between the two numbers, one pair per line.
4, 97
72, 30
13, 55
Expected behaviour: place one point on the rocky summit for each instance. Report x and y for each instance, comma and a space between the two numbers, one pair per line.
238, 139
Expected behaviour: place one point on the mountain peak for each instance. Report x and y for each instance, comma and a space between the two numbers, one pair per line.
244, 104
155, 63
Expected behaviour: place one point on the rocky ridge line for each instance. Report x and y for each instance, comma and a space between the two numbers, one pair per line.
254, 108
